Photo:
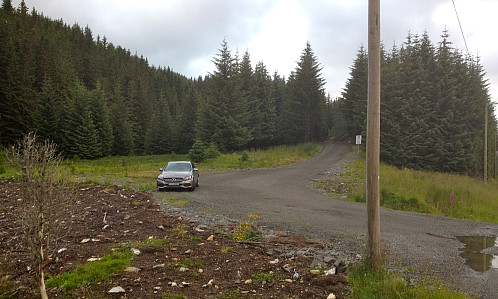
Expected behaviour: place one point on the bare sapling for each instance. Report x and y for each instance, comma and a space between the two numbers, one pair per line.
45, 199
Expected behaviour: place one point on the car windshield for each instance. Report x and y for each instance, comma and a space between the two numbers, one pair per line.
179, 167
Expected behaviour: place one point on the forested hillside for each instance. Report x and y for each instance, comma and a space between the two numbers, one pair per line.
433, 102
96, 99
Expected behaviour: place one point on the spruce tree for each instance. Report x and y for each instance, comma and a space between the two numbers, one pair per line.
122, 132
308, 90
355, 96
101, 119
7, 6
186, 120
263, 115
222, 114
291, 122
81, 135
159, 136
47, 118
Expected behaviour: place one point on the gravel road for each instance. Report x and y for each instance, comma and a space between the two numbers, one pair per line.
284, 199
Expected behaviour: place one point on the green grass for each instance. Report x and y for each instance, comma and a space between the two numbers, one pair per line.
92, 272
187, 263
273, 157
173, 296
233, 294
263, 277
367, 283
149, 242
103, 269
139, 172
423, 192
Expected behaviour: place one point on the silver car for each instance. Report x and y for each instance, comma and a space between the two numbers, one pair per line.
178, 174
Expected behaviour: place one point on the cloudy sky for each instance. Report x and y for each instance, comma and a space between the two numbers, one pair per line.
186, 34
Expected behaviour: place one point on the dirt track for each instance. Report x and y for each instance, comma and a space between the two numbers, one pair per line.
284, 200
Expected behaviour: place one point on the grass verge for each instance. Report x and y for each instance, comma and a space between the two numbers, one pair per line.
433, 193
139, 172
92, 272
367, 283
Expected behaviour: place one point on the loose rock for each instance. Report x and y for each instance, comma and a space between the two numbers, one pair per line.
117, 290
132, 269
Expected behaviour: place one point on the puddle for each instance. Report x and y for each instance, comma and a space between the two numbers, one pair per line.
473, 255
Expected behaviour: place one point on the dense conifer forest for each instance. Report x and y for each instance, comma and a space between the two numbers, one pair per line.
433, 103
96, 99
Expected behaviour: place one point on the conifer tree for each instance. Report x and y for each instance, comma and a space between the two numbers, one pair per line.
355, 96
81, 135
263, 115
220, 116
186, 121
48, 112
308, 90
279, 91
247, 97
291, 119
122, 132
433, 102
159, 136
7, 6
102, 120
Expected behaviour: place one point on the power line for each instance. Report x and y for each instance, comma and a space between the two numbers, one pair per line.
459, 24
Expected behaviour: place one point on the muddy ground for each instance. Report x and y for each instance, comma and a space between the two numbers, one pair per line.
195, 260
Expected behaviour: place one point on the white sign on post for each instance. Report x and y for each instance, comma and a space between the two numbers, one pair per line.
358, 142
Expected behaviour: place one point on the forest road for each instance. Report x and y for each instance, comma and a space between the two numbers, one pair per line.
284, 199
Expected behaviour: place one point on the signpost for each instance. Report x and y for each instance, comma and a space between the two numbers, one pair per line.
358, 142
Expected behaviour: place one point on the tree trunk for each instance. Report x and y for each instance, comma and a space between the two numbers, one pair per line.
43, 291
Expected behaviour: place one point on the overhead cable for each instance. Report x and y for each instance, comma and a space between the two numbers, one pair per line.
459, 24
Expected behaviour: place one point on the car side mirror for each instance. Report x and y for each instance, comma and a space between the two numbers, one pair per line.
160, 169
195, 169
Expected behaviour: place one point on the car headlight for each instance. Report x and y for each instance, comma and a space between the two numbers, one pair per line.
187, 178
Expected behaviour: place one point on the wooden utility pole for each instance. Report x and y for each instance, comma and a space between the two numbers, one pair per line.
373, 136
494, 160
486, 145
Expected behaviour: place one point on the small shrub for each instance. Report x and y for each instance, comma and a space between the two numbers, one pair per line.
247, 230
399, 202
263, 277
195, 238
212, 151
360, 198
244, 157
197, 152
180, 230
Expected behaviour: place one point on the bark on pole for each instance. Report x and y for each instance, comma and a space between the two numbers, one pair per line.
486, 144
373, 136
